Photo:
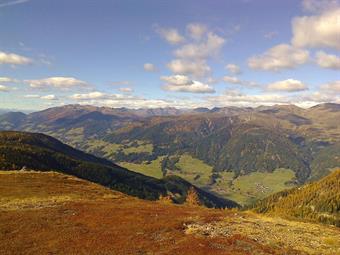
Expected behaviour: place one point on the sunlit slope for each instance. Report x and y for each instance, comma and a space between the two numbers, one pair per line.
74, 216
318, 201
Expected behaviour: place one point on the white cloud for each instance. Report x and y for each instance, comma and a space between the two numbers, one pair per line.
182, 83
177, 79
4, 88
130, 101
317, 97
282, 56
13, 59
192, 57
31, 96
327, 60
319, 5
317, 31
49, 97
126, 90
235, 97
150, 67
56, 82
8, 80
196, 31
232, 79
235, 80
234, 69
209, 48
331, 87
289, 85
171, 35
9, 3
91, 95
196, 68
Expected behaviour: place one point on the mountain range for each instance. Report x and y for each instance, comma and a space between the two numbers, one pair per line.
216, 149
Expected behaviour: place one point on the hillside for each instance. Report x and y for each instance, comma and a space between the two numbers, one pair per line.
317, 202
40, 152
74, 216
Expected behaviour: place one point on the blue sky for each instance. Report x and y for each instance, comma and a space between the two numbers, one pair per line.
168, 53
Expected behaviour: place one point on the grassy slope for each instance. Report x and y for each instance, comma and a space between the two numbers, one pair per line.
76, 216
193, 170
246, 189
152, 169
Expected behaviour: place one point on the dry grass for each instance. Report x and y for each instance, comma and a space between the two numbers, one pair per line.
274, 232
78, 217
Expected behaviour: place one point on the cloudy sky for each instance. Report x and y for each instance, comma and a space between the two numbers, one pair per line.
177, 53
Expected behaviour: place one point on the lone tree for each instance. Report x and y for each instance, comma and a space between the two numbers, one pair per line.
166, 199
192, 197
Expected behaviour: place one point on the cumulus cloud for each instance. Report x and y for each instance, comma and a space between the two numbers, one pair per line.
210, 47
126, 90
289, 85
4, 88
282, 56
182, 83
327, 60
196, 31
13, 59
196, 68
171, 35
56, 82
317, 31
150, 67
331, 87
234, 69
49, 97
191, 58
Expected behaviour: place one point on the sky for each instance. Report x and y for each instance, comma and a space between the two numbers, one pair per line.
156, 53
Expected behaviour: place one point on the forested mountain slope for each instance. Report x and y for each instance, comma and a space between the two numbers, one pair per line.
318, 201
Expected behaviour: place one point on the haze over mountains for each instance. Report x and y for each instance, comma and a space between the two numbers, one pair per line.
227, 151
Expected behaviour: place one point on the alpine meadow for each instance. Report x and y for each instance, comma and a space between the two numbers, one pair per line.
170, 127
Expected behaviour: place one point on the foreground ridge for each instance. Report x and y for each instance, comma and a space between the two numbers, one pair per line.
77, 216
